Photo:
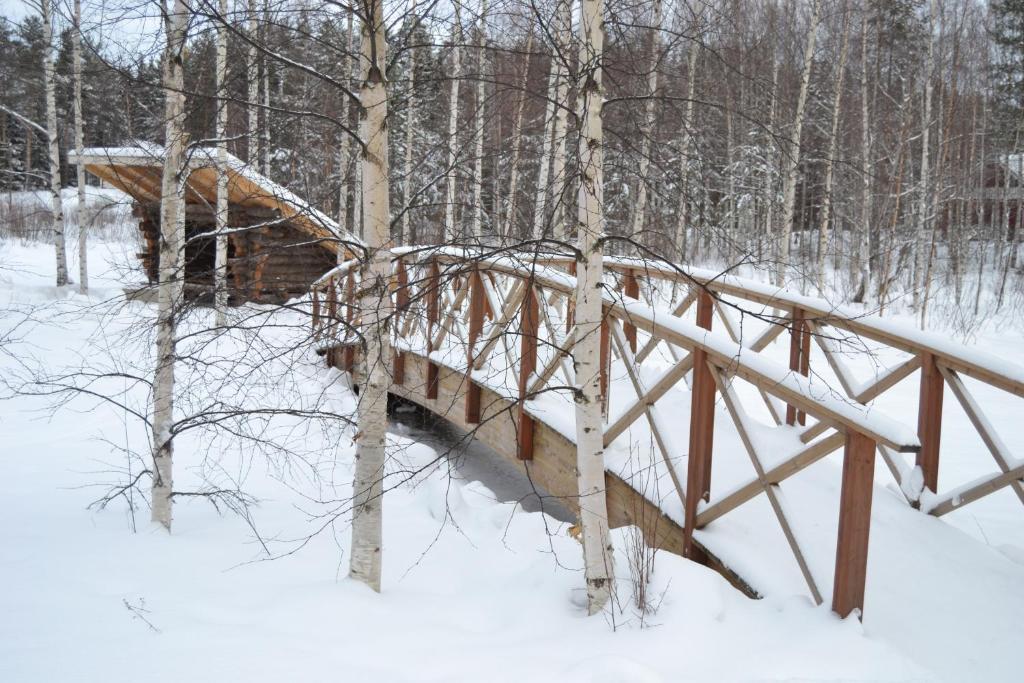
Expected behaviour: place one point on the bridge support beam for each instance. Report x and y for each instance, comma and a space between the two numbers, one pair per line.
702, 427
854, 525
630, 288
433, 304
799, 359
476, 328
929, 420
529, 326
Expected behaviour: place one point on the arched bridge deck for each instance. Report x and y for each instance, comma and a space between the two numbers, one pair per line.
485, 342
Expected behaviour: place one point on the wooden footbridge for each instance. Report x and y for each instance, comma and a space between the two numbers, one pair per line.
485, 341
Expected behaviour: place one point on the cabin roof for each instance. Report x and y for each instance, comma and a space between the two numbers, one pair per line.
139, 172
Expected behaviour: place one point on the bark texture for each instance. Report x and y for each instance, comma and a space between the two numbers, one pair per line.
172, 242
76, 65
220, 268
375, 306
597, 546
50, 84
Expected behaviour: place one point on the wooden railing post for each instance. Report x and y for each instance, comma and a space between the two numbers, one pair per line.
315, 331
433, 311
799, 359
350, 317
529, 326
630, 288
606, 361
476, 327
929, 420
570, 304
702, 427
401, 303
854, 525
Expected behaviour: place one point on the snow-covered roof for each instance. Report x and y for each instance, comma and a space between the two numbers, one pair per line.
138, 170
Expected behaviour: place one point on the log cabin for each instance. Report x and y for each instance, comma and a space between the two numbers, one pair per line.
277, 245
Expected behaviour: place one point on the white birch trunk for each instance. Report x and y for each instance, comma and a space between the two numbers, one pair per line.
517, 127
826, 207
863, 288
540, 206
49, 82
793, 153
83, 234
253, 91
597, 546
343, 151
923, 204
375, 307
172, 241
220, 265
647, 128
405, 229
558, 153
478, 130
682, 217
451, 232
265, 96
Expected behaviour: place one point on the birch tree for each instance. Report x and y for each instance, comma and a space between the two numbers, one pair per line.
864, 239
478, 128
375, 304
682, 215
53, 137
647, 127
450, 231
76, 67
253, 89
924, 208
517, 144
172, 243
826, 205
343, 148
597, 546
405, 231
792, 157
220, 267
563, 18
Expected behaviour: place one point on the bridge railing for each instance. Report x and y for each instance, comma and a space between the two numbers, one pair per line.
454, 307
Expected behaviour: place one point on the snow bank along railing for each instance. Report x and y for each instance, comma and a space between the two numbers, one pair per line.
455, 307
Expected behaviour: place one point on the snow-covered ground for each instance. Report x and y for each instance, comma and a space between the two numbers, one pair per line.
474, 589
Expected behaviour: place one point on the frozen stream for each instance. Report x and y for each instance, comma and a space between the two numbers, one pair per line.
474, 461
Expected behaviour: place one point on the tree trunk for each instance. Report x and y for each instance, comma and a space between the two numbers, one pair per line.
517, 128
220, 267
558, 153
405, 229
826, 207
50, 83
451, 232
682, 215
863, 288
793, 153
597, 546
171, 283
253, 91
343, 151
540, 206
476, 221
265, 95
923, 204
375, 305
647, 127
76, 61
